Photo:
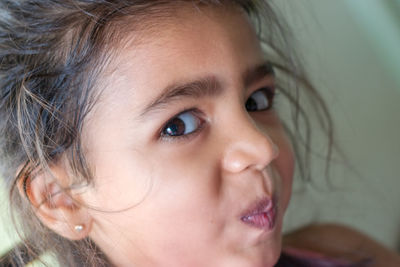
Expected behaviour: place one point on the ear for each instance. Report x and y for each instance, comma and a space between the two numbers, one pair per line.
55, 205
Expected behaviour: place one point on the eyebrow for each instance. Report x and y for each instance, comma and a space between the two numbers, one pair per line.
206, 86
256, 73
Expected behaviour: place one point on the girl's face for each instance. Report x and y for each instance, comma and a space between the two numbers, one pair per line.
191, 163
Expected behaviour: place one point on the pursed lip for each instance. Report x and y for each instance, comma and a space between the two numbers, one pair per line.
261, 214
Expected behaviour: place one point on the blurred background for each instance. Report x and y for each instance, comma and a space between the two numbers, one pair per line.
351, 51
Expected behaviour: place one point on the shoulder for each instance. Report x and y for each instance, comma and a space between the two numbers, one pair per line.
340, 241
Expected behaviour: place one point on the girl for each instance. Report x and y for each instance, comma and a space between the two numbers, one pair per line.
143, 133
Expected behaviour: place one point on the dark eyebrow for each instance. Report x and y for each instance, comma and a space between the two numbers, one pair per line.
206, 86
256, 73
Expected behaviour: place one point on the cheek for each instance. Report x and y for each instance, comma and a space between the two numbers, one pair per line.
285, 166
271, 125
123, 178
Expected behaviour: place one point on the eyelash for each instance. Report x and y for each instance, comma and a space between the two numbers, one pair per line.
197, 114
268, 92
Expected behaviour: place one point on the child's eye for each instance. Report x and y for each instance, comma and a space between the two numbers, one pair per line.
185, 123
260, 100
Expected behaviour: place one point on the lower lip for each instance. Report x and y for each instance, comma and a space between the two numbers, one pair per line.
263, 220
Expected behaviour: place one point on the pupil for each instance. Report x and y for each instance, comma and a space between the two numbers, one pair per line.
176, 127
251, 105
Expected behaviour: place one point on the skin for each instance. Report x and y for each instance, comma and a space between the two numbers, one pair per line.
177, 201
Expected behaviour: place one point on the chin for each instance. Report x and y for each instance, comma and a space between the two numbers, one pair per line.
267, 252
272, 249
264, 259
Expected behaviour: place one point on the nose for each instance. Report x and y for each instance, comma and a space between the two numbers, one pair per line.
248, 147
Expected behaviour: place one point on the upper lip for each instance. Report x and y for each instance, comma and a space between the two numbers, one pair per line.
261, 205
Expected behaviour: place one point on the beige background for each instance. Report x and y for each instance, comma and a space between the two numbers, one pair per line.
349, 50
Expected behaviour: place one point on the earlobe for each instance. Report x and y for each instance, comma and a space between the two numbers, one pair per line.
55, 205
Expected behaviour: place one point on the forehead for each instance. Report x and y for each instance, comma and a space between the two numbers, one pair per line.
194, 42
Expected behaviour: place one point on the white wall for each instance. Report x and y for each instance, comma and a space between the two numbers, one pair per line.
359, 76
6, 239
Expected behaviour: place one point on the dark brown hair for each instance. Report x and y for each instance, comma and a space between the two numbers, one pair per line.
51, 53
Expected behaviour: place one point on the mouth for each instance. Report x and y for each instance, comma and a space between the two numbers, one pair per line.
261, 214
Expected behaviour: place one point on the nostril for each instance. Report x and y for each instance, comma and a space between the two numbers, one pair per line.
267, 152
